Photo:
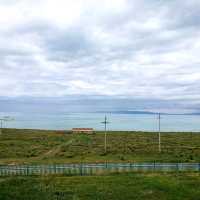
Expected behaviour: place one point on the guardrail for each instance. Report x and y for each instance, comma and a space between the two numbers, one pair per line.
92, 169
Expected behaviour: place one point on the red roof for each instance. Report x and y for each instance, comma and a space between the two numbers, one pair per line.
82, 129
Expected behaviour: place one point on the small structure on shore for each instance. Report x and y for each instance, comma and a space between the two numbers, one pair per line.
83, 130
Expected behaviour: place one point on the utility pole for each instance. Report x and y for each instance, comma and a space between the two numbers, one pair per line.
159, 135
4, 119
105, 122
1, 121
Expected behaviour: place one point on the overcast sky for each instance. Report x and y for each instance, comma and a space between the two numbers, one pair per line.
123, 48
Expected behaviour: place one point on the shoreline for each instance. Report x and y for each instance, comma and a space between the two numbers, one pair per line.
98, 131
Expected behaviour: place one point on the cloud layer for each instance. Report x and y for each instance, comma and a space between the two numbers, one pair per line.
127, 48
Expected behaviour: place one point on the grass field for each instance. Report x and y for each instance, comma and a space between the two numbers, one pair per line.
38, 146
156, 186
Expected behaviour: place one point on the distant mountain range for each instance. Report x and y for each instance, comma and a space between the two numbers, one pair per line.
136, 112
99, 104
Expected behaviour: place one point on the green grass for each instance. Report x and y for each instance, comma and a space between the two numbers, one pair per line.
39, 146
151, 186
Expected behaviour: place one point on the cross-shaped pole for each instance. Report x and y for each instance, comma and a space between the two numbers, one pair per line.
159, 135
6, 118
105, 122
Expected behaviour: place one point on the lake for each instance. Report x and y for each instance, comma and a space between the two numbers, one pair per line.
126, 122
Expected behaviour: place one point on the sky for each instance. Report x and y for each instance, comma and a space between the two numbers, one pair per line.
132, 49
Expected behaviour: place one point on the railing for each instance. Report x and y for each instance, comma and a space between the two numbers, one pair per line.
92, 169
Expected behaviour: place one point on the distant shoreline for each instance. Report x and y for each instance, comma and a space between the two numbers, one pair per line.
99, 131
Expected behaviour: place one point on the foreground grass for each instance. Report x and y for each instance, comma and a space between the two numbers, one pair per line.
38, 146
149, 186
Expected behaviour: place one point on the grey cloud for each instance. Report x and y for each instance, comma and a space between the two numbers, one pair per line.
67, 45
147, 48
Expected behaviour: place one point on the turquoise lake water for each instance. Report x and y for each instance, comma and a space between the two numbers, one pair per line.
128, 122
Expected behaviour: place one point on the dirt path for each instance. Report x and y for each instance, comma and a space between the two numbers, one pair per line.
55, 150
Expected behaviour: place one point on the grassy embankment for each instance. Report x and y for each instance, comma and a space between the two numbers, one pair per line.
156, 186
35, 146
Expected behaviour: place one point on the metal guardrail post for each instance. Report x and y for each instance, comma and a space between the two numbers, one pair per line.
106, 166
55, 169
81, 172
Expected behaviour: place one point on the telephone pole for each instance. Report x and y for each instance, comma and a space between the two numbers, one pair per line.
159, 135
1, 121
105, 122
4, 119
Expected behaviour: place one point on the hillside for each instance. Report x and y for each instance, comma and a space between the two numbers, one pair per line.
38, 146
